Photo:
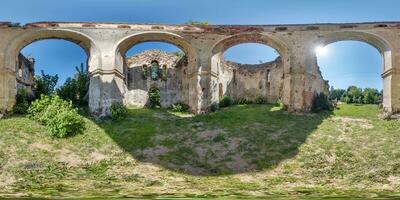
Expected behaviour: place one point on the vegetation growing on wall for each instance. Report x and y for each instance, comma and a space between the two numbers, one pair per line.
154, 98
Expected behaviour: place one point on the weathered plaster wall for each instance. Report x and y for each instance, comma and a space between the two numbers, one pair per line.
106, 43
251, 81
25, 73
171, 88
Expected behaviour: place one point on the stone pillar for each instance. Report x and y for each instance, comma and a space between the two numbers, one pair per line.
391, 90
199, 82
302, 79
8, 89
106, 81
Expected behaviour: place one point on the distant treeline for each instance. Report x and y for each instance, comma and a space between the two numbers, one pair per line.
355, 94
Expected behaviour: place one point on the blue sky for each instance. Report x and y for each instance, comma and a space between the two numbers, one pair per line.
60, 57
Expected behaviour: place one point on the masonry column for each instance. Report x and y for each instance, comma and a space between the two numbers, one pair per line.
391, 83
199, 81
303, 78
8, 85
106, 79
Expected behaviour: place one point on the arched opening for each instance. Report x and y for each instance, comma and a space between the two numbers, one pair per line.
249, 67
14, 59
250, 53
51, 66
156, 61
353, 70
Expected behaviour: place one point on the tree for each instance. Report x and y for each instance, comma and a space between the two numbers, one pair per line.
336, 94
353, 94
371, 96
45, 84
75, 89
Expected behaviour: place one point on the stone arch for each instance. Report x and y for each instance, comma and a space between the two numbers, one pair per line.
127, 42
383, 47
261, 38
29, 36
376, 41
23, 40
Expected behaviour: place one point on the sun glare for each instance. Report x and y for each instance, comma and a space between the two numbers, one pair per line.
321, 50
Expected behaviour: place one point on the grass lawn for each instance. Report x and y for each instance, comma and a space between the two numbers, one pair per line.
244, 150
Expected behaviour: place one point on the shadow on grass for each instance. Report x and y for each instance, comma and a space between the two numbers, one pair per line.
238, 139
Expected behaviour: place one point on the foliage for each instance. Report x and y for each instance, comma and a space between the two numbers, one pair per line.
225, 101
60, 118
352, 95
154, 98
197, 23
279, 103
180, 107
214, 107
336, 94
371, 96
76, 89
321, 102
243, 101
118, 111
357, 95
23, 100
45, 84
260, 100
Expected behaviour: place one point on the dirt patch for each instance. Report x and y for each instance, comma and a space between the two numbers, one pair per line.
68, 157
97, 156
209, 134
347, 121
40, 146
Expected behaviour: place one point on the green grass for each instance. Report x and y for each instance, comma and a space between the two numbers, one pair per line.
243, 150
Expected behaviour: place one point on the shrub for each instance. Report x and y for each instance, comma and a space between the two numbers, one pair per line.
118, 111
180, 107
243, 101
260, 100
225, 102
214, 107
61, 119
279, 103
321, 102
154, 98
23, 100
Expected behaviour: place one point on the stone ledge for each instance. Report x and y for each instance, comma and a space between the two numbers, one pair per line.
107, 72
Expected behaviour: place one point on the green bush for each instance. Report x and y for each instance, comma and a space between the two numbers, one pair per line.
321, 102
154, 98
279, 103
243, 101
118, 111
225, 102
23, 100
61, 119
260, 100
180, 107
214, 107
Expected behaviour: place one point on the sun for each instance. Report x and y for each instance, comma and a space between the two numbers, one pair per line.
321, 50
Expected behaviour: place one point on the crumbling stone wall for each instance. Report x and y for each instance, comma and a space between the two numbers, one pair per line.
25, 73
244, 81
171, 88
106, 43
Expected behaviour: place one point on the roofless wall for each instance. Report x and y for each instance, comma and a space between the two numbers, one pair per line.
106, 44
